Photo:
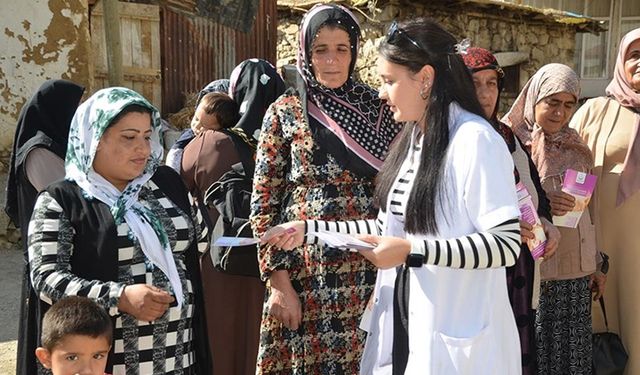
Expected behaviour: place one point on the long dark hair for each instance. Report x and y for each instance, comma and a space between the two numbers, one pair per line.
452, 83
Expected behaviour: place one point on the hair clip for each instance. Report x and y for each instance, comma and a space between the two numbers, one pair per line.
461, 48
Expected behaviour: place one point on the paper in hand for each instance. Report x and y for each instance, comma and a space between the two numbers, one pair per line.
342, 241
235, 241
275, 231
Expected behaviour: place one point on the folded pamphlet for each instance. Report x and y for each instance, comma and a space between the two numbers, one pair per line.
529, 214
581, 186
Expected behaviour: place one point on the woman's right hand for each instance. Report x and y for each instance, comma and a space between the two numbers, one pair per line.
144, 302
284, 303
561, 202
285, 236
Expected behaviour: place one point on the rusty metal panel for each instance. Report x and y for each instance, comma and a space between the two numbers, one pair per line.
195, 51
262, 39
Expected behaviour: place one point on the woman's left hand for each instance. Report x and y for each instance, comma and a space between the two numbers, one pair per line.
389, 251
553, 238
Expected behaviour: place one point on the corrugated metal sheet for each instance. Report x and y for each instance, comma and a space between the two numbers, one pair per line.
261, 40
195, 51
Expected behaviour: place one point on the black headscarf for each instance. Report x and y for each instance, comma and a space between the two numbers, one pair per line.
353, 112
43, 122
255, 84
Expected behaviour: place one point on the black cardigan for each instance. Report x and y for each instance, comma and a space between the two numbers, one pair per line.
96, 235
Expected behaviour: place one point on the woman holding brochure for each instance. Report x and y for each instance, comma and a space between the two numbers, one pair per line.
539, 117
523, 286
444, 235
319, 150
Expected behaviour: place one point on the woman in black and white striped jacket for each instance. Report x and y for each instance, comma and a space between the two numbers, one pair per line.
123, 231
448, 224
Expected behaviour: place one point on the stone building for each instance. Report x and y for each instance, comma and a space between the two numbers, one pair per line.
524, 38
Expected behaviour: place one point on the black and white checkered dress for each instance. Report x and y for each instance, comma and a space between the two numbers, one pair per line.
162, 347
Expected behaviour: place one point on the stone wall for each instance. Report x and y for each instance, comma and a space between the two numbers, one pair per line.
544, 42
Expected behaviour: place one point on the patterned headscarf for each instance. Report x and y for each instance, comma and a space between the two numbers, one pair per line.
621, 90
477, 59
88, 126
219, 85
548, 80
552, 154
353, 111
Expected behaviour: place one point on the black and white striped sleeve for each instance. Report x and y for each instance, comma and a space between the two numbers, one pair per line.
50, 250
496, 247
370, 226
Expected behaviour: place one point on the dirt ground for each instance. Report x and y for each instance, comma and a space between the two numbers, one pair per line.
10, 279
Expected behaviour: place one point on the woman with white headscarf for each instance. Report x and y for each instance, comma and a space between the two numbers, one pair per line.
124, 232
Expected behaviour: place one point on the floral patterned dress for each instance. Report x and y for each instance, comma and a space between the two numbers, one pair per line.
303, 171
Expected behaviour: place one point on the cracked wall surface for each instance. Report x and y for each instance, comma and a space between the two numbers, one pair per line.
39, 40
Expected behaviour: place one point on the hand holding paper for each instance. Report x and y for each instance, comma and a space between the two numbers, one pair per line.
285, 236
342, 241
580, 186
275, 232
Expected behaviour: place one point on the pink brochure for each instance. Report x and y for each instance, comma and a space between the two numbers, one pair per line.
529, 214
581, 186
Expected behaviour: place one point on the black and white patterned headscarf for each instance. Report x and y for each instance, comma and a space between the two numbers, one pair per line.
353, 112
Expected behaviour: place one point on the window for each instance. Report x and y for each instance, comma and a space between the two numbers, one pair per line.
592, 51
630, 16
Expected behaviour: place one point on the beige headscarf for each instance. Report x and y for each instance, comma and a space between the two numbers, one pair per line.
552, 154
620, 90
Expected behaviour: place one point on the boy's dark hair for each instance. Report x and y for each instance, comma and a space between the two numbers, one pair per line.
75, 316
223, 107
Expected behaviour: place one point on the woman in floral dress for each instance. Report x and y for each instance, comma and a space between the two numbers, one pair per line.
319, 150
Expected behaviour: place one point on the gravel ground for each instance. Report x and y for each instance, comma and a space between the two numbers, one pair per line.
10, 279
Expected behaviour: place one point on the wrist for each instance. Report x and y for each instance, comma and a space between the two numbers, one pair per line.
280, 279
416, 255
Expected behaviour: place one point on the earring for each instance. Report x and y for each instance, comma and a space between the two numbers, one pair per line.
424, 94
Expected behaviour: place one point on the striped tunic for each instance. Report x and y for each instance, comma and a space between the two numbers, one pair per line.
161, 347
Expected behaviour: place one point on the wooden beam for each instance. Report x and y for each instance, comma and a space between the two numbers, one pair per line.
114, 45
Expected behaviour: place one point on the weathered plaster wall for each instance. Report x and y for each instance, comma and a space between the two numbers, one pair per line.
39, 40
543, 42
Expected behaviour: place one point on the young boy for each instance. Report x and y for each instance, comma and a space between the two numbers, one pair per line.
76, 337
216, 111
